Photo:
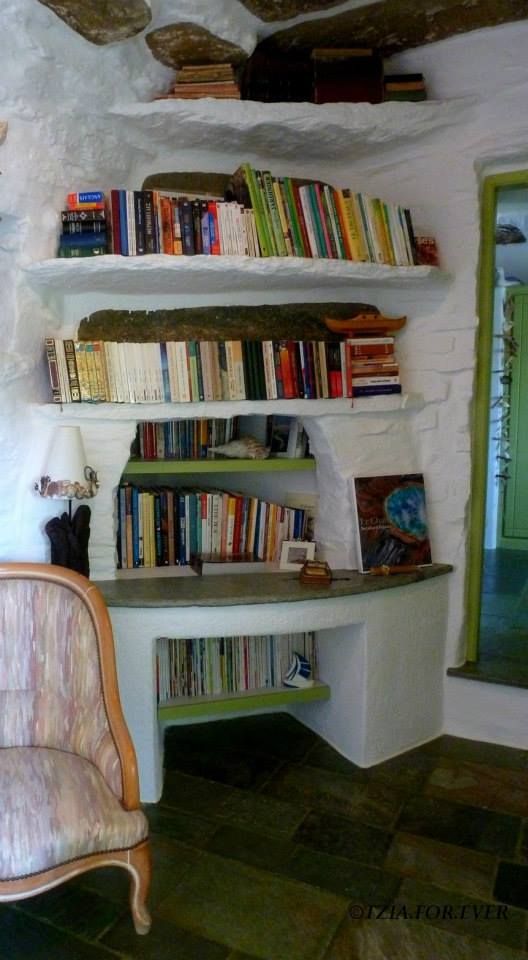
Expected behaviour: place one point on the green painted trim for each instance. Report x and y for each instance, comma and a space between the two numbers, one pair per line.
272, 465
477, 517
248, 700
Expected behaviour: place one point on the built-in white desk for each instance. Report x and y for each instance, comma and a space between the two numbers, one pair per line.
380, 643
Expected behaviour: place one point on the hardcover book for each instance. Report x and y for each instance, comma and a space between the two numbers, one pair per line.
391, 521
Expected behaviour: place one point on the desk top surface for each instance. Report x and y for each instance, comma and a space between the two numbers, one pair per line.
241, 589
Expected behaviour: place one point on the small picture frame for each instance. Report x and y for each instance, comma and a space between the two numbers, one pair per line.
294, 553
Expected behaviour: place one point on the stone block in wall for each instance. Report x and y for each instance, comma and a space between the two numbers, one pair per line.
295, 321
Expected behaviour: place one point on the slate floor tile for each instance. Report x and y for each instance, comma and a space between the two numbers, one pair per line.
72, 908
272, 815
411, 940
465, 826
254, 911
344, 838
252, 847
180, 825
489, 921
195, 794
356, 881
495, 788
165, 941
336, 793
23, 937
454, 868
459, 748
512, 884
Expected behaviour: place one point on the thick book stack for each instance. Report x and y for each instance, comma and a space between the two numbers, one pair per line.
374, 368
164, 526
209, 666
198, 370
347, 75
312, 219
405, 86
147, 221
83, 226
195, 81
189, 439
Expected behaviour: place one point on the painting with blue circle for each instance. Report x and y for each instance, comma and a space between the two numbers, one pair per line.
391, 521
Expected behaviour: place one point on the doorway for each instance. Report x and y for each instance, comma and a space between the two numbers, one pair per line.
497, 576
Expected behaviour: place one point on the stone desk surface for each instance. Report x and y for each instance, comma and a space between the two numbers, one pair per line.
241, 589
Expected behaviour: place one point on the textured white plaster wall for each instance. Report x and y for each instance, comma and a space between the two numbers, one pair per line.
57, 91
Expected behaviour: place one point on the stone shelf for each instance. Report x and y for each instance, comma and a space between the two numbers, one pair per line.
162, 274
125, 412
232, 590
315, 131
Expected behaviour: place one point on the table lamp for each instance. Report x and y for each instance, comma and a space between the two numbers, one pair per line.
67, 476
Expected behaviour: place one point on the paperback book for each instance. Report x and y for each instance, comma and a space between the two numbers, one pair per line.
391, 521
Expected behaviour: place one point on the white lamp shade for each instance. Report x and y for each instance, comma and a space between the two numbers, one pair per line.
64, 474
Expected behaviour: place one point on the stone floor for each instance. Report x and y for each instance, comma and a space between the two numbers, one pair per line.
267, 844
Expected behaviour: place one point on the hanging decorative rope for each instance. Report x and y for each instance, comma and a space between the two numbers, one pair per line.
501, 403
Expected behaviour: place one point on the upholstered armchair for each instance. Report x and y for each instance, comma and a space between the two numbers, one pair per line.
69, 795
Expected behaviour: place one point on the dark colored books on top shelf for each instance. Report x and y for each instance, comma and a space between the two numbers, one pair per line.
261, 215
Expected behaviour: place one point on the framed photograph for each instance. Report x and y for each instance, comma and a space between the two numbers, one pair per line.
294, 553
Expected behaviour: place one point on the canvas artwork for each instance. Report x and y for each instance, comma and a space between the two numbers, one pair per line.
391, 521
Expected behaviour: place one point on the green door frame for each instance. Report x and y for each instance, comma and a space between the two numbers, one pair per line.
481, 401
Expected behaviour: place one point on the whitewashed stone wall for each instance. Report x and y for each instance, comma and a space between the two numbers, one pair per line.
57, 91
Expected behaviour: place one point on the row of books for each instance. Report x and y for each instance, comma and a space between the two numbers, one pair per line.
194, 81
200, 370
164, 526
261, 216
187, 439
146, 221
208, 666
313, 219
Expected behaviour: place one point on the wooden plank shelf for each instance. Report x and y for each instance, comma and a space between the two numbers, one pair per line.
244, 700
271, 465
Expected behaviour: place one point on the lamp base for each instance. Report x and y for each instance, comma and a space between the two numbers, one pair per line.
69, 538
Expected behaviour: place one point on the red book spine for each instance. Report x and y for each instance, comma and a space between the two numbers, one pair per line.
115, 222
302, 222
287, 373
348, 366
295, 366
167, 227
238, 525
214, 234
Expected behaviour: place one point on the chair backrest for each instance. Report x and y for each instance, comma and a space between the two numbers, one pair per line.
58, 684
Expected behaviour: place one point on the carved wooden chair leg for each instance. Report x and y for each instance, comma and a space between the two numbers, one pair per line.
139, 865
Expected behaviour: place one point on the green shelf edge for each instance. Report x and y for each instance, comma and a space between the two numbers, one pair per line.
138, 467
248, 701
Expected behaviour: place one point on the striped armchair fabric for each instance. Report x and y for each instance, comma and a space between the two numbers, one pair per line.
69, 795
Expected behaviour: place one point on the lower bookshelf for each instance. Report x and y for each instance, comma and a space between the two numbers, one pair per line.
181, 708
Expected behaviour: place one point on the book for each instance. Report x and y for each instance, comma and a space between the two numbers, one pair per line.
86, 197
391, 521
83, 216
